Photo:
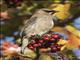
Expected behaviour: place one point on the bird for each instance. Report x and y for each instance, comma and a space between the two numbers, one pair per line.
40, 22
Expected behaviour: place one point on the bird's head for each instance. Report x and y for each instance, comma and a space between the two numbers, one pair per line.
49, 11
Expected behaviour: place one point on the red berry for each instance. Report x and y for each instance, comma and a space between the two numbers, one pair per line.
58, 48
39, 44
33, 41
52, 39
41, 41
53, 49
35, 45
46, 38
30, 47
55, 36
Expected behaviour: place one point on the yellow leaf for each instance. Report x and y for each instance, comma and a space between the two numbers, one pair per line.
29, 53
45, 57
73, 30
73, 42
63, 10
74, 37
62, 42
63, 47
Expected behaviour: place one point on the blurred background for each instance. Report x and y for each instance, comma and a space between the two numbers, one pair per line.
14, 12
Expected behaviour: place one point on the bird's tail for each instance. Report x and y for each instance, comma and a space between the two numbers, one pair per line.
22, 39
24, 44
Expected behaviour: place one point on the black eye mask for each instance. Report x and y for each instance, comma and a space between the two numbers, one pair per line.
50, 11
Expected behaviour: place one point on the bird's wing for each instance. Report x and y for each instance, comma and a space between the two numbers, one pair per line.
29, 22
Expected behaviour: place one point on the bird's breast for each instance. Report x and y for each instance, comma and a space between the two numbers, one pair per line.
45, 22
42, 25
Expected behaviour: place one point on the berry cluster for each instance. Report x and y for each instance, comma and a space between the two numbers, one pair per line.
45, 41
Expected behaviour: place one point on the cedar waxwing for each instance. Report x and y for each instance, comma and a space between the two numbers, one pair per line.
40, 23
